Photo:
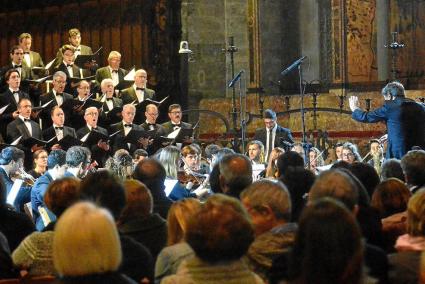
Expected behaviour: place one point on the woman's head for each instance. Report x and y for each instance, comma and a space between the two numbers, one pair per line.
40, 159
416, 214
328, 246
178, 217
350, 153
390, 196
169, 157
86, 241
315, 158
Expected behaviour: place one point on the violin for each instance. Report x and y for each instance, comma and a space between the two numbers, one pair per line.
195, 178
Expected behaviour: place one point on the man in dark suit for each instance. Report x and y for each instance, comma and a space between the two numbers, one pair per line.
16, 56
11, 97
112, 71
138, 92
150, 124
405, 119
25, 127
110, 103
175, 115
58, 129
272, 135
101, 150
68, 67
31, 58
125, 126
57, 96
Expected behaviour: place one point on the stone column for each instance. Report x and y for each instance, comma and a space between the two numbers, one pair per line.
382, 23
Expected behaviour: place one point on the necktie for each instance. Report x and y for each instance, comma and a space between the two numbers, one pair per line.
140, 89
270, 145
59, 128
128, 125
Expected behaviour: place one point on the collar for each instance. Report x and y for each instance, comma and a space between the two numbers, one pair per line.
12, 90
23, 118
110, 69
55, 125
89, 127
284, 228
135, 87
273, 129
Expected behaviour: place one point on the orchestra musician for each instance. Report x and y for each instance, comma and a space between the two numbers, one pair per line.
350, 153
40, 163
315, 159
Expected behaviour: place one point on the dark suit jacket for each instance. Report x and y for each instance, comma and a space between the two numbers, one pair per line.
17, 128
282, 134
85, 50
118, 139
129, 95
50, 132
25, 74
391, 113
159, 131
104, 119
98, 154
168, 126
45, 114
105, 73
76, 74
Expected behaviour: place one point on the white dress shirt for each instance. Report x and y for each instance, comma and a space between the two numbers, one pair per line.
15, 95
59, 99
27, 59
267, 140
139, 93
59, 132
114, 76
27, 124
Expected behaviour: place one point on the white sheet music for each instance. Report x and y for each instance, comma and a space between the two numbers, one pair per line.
3, 109
130, 75
174, 134
14, 191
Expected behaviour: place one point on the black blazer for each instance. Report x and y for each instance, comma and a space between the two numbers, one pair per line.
168, 126
17, 128
129, 95
8, 98
50, 132
104, 119
45, 114
118, 142
282, 134
159, 131
76, 72
98, 154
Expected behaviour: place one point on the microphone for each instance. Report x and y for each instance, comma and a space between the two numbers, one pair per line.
293, 66
236, 78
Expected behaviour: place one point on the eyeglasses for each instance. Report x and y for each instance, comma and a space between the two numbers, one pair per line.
92, 113
175, 112
153, 114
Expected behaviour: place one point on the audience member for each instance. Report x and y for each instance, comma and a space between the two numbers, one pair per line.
413, 165
392, 168
235, 174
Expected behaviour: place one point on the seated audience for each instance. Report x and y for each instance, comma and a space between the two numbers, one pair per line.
288, 160
77, 262
34, 254
235, 174
414, 170
138, 221
269, 206
405, 263
177, 249
121, 164
367, 175
328, 247
7, 269
271, 169
220, 235
391, 168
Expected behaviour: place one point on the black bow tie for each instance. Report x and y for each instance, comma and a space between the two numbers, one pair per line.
26, 52
69, 65
109, 99
59, 94
151, 124
141, 89
94, 128
27, 119
58, 128
17, 66
128, 125
114, 71
15, 92
78, 49
176, 125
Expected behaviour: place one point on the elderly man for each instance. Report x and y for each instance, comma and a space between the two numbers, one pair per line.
272, 135
112, 71
58, 129
101, 149
269, 205
57, 95
125, 126
235, 174
111, 105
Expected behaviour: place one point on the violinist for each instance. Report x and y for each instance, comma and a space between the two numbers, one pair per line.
376, 154
11, 165
175, 189
315, 159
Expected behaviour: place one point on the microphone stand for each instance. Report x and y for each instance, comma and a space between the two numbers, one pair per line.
242, 114
304, 141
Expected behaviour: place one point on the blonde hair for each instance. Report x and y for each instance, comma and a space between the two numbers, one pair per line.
416, 214
113, 53
178, 217
86, 241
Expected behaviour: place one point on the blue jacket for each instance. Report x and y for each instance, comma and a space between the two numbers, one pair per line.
23, 194
37, 199
391, 113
